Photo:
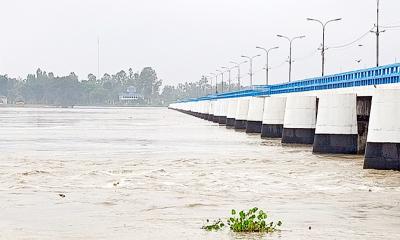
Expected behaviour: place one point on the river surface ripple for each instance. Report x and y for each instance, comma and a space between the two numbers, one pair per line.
153, 173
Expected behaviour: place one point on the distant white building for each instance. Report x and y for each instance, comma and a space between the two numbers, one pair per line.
130, 95
3, 100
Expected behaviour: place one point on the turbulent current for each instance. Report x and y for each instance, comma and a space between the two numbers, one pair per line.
153, 173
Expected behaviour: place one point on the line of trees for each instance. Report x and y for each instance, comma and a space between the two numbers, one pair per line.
47, 89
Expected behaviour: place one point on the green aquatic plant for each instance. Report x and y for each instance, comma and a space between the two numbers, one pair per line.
214, 226
254, 220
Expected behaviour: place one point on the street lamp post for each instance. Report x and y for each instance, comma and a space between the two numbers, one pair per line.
229, 77
267, 62
251, 67
216, 83
237, 65
290, 51
211, 82
323, 38
222, 80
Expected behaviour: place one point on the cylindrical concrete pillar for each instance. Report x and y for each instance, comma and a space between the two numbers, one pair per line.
273, 117
255, 115
300, 119
383, 141
241, 113
336, 128
230, 118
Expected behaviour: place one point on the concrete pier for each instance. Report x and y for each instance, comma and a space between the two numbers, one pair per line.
217, 111
232, 107
300, 120
273, 117
206, 109
336, 128
255, 115
241, 113
223, 111
383, 142
211, 108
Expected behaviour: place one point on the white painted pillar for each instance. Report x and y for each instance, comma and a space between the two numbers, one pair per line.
273, 117
241, 113
217, 110
255, 115
336, 128
211, 108
383, 142
232, 108
300, 120
224, 111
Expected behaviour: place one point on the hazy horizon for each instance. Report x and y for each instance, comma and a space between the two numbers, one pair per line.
183, 40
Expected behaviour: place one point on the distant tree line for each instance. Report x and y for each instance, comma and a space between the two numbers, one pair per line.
47, 89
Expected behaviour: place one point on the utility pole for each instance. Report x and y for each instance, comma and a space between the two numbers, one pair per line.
377, 33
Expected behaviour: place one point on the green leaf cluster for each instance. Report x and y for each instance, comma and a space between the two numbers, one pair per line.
254, 220
214, 226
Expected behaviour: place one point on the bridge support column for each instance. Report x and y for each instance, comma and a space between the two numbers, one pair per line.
241, 113
197, 109
211, 107
206, 109
223, 111
255, 115
383, 142
273, 117
300, 119
230, 118
336, 129
217, 111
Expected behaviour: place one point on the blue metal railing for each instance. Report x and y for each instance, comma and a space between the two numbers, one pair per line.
371, 76
366, 77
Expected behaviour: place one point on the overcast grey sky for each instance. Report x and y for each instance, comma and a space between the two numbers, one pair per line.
183, 39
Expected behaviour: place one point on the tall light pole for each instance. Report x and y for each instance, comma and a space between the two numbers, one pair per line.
98, 58
251, 67
229, 77
267, 62
216, 83
237, 65
323, 38
290, 51
222, 80
211, 81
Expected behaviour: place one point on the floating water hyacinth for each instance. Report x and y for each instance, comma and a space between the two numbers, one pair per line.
254, 220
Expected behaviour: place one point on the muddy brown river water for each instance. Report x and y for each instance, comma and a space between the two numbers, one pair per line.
153, 173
